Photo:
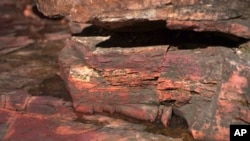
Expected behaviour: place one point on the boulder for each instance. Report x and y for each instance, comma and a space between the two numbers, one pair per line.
202, 85
227, 16
124, 83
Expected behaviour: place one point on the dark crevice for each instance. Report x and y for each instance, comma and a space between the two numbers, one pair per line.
170, 89
210, 83
181, 39
53, 86
152, 79
177, 122
177, 126
40, 15
168, 102
93, 31
178, 89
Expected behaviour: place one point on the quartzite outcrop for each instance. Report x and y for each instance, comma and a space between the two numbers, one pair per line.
207, 86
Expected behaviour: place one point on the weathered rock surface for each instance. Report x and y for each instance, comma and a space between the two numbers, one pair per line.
202, 85
227, 16
124, 83
208, 86
34, 103
50, 118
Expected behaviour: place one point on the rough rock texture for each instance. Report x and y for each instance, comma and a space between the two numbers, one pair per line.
147, 79
34, 102
50, 118
113, 84
203, 86
227, 16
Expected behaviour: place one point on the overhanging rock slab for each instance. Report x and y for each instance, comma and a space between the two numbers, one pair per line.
227, 16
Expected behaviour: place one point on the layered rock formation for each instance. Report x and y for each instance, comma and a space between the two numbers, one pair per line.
203, 86
148, 79
34, 103
228, 16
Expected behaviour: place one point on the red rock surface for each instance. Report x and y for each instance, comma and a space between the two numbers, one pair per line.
34, 102
16, 100
120, 85
227, 16
49, 118
206, 85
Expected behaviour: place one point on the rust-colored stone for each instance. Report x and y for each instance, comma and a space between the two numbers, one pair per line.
227, 16
166, 114
34, 106
31, 127
50, 106
109, 89
188, 73
28, 128
213, 116
16, 100
205, 84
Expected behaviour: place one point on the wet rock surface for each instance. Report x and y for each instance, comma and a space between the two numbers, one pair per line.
34, 101
227, 16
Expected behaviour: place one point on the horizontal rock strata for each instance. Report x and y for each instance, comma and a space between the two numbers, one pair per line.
207, 86
227, 16
203, 86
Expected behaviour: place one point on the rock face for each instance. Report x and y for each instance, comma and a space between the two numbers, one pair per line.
227, 16
204, 85
116, 80
34, 103
207, 85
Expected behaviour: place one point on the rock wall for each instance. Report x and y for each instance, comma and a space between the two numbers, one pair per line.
207, 85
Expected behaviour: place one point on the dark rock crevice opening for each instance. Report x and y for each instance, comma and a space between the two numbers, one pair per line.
179, 39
